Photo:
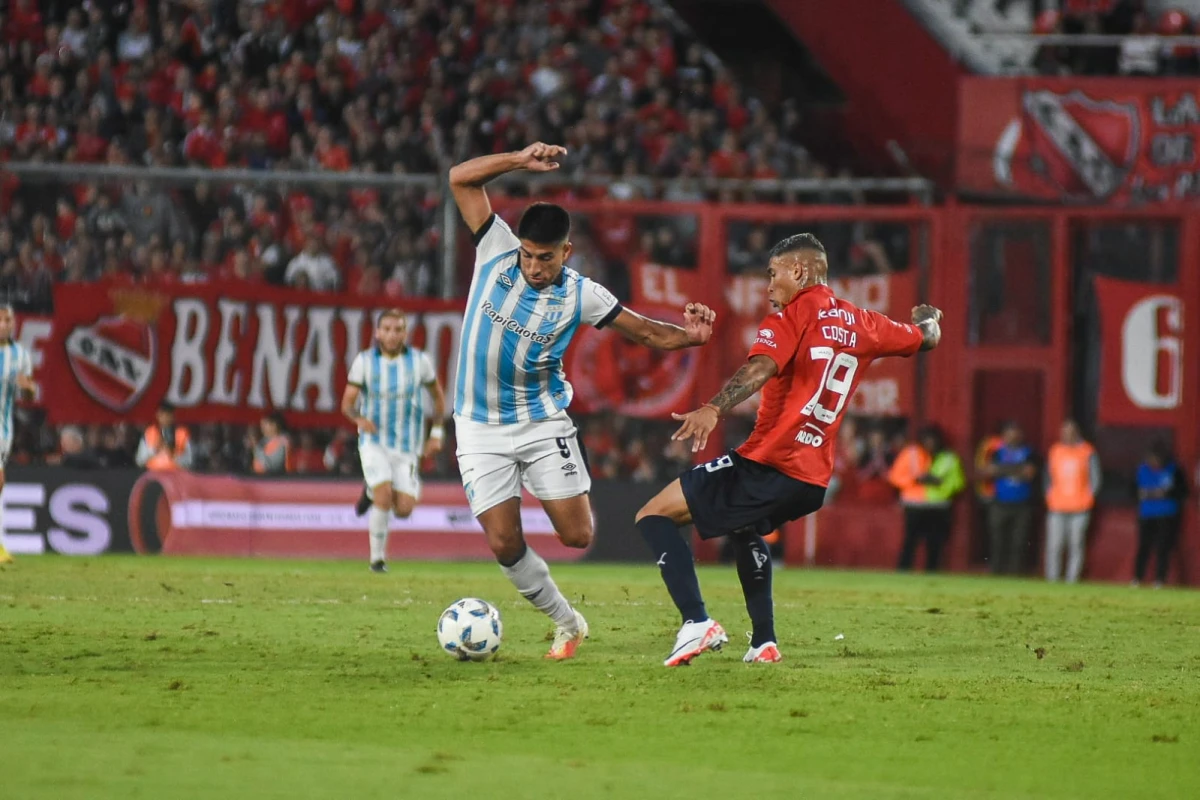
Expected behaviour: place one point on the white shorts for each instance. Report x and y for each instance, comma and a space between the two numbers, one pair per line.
5, 449
496, 460
381, 465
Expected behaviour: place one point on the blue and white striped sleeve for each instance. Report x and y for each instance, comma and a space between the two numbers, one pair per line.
599, 305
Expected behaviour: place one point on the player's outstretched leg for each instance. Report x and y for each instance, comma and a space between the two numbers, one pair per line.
377, 525
531, 575
754, 571
658, 522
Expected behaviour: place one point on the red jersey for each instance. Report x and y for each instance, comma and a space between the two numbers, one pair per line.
822, 346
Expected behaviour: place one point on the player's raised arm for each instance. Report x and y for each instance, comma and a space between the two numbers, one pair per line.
468, 178
697, 328
698, 424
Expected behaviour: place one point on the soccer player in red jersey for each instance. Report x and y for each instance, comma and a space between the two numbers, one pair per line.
808, 358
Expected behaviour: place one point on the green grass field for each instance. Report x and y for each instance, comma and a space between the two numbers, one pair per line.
154, 677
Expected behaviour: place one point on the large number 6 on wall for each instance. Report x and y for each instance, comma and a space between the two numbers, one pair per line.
837, 379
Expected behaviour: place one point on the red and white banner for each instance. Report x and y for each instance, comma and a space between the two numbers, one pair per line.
178, 513
1081, 139
34, 334
1141, 374
887, 388
219, 353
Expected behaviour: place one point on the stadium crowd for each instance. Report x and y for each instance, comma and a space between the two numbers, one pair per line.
1141, 52
375, 86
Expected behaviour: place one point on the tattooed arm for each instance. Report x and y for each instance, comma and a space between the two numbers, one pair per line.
745, 382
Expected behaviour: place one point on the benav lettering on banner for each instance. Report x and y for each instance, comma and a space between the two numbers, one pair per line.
219, 353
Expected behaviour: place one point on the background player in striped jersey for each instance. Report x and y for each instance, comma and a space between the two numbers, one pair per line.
16, 379
511, 394
385, 398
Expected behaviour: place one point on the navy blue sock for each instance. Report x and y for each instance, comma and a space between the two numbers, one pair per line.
754, 571
678, 568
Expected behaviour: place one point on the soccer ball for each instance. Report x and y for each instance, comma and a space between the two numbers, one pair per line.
470, 630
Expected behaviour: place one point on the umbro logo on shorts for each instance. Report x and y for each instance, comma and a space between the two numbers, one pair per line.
570, 468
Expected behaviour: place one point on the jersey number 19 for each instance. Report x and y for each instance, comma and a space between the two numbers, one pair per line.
836, 380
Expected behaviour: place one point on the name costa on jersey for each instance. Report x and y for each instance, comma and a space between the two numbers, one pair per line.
836, 333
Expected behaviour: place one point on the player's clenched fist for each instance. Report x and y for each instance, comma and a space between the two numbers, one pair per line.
541, 157
698, 321
925, 313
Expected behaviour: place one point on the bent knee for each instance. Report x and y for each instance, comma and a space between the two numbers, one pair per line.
647, 510
381, 497
506, 546
658, 507
404, 505
578, 536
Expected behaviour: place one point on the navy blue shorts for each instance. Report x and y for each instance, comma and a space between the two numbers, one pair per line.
732, 495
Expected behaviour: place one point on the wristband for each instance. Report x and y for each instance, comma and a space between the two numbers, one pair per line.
714, 408
437, 432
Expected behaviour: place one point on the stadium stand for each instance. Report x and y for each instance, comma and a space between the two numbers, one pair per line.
376, 87
1016, 36
338, 87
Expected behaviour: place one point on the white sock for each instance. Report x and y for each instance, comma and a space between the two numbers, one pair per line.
377, 526
532, 578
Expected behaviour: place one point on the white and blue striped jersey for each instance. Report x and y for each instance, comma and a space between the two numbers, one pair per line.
510, 358
393, 397
14, 362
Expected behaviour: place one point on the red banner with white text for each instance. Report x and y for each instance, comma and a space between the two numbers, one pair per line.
231, 354
1141, 375
1080, 139
219, 353
887, 388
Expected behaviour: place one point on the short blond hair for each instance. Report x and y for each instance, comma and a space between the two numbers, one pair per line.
394, 313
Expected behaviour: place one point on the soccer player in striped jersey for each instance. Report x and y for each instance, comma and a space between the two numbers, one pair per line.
16, 379
385, 398
511, 395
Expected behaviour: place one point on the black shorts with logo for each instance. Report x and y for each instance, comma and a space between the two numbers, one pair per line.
733, 494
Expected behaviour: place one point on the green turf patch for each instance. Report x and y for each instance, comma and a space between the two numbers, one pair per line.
143, 677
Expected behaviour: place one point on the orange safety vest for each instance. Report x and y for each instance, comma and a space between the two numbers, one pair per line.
912, 463
1069, 468
163, 460
986, 487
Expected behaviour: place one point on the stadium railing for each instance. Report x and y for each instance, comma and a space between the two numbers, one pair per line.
417, 208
